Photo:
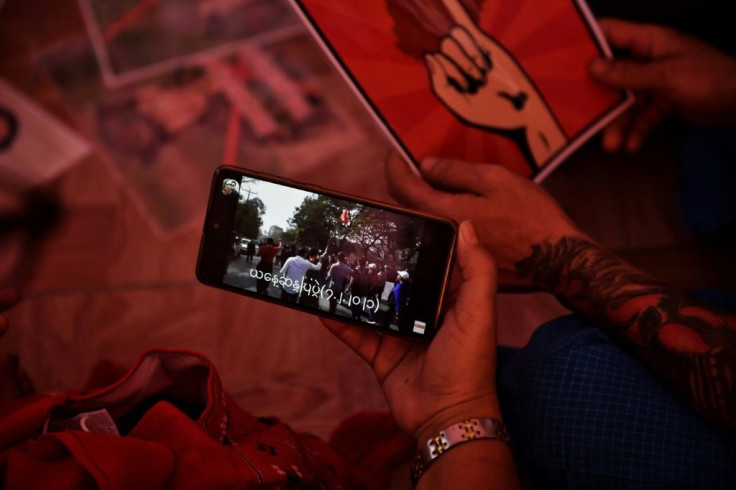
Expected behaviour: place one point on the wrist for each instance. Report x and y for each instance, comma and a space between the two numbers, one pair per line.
484, 406
472, 466
544, 136
454, 439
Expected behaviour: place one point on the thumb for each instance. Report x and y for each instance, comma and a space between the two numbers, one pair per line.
474, 310
625, 74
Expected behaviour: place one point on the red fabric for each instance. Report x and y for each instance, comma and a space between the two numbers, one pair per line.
104, 373
179, 429
267, 253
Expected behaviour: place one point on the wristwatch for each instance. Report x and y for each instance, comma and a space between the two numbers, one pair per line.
454, 435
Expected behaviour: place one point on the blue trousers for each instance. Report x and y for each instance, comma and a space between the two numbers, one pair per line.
584, 412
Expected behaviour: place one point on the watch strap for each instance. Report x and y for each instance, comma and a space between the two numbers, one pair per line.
454, 435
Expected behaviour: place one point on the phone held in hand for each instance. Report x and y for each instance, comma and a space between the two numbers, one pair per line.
337, 256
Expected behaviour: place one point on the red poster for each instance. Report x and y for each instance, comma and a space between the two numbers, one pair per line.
478, 80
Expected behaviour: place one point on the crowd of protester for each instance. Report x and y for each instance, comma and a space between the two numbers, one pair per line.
355, 284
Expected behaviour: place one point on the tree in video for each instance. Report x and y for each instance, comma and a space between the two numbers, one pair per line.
248, 214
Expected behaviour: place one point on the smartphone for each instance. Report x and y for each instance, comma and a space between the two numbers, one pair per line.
326, 253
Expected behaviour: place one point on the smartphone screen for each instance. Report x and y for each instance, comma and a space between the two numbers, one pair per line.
362, 262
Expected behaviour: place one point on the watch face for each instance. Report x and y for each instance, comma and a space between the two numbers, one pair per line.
8, 128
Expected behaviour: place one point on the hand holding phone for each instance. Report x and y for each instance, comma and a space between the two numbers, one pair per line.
431, 387
369, 263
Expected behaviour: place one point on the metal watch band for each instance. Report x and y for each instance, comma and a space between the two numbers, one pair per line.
454, 435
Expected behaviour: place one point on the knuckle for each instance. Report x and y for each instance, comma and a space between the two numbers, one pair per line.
456, 31
649, 31
661, 38
461, 35
493, 172
441, 168
660, 32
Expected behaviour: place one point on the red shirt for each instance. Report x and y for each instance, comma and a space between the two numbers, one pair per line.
267, 253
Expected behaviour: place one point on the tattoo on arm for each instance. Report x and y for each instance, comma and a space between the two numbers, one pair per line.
691, 344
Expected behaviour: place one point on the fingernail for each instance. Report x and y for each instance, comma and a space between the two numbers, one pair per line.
469, 232
428, 163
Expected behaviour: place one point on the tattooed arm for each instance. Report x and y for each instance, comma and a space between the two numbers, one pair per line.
693, 346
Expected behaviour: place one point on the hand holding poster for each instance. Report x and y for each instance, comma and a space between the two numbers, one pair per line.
477, 80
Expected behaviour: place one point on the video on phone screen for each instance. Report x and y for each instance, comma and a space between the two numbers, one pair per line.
326, 254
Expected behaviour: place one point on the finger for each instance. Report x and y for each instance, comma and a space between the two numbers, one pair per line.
641, 127
446, 74
463, 38
364, 342
459, 15
627, 74
411, 190
457, 175
455, 53
645, 40
474, 309
614, 134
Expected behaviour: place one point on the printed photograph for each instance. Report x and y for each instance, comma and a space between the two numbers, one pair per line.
134, 39
324, 253
265, 108
35, 147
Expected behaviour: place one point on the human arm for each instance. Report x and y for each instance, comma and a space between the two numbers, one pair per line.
691, 345
429, 387
314, 266
671, 73
285, 268
686, 341
327, 248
